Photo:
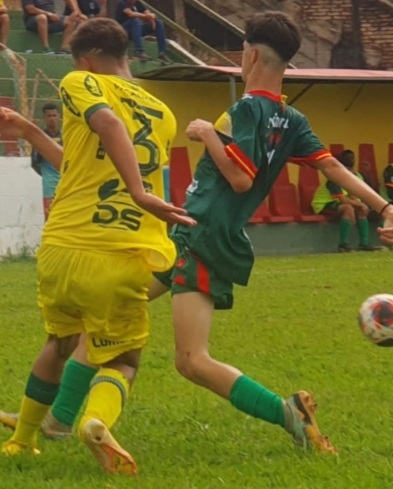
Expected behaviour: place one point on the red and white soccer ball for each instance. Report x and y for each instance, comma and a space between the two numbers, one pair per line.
376, 319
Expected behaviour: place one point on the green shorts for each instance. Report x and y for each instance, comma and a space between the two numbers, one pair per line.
189, 274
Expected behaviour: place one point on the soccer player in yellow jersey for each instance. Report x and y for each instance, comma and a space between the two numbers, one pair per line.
99, 245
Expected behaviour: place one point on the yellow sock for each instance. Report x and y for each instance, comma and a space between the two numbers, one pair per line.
32, 414
108, 393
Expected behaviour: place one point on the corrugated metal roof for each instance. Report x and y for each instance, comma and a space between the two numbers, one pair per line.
179, 72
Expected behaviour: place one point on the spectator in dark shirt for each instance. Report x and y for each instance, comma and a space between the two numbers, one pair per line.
40, 16
138, 21
84, 8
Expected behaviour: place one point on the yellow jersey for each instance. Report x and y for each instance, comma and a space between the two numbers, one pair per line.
92, 208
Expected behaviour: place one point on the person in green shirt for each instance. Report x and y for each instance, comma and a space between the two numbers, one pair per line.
333, 200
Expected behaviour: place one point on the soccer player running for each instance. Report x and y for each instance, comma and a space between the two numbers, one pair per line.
245, 152
101, 240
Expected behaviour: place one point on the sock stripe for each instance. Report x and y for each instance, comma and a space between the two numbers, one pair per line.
98, 379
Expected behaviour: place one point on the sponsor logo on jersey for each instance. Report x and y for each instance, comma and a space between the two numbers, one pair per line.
67, 101
92, 86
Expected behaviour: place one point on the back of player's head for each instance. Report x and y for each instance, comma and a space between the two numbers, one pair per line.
276, 30
100, 36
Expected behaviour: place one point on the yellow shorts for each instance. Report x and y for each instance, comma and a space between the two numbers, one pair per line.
102, 294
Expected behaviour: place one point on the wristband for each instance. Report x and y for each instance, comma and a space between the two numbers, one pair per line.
383, 208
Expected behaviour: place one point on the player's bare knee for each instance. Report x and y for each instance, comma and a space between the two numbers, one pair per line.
190, 366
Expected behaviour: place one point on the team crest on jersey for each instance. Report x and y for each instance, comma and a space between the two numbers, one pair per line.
67, 101
92, 86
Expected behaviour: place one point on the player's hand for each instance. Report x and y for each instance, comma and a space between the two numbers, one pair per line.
197, 128
386, 233
12, 124
163, 210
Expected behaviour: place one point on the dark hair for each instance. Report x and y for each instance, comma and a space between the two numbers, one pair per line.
102, 35
49, 106
275, 29
343, 158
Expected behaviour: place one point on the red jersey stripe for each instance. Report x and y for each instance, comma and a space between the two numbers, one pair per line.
317, 156
241, 160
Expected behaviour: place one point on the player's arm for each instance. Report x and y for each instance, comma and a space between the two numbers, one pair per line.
31, 9
200, 130
140, 13
21, 128
116, 142
36, 161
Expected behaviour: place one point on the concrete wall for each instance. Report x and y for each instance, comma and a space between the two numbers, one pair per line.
21, 215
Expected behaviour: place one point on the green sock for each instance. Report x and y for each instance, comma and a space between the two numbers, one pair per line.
345, 228
363, 231
74, 387
254, 399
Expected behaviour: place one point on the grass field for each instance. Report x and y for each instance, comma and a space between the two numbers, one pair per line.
293, 328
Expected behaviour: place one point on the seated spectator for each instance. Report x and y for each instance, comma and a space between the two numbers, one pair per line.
387, 184
330, 199
138, 22
83, 9
4, 23
40, 16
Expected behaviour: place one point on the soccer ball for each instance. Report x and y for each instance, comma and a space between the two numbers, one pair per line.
376, 319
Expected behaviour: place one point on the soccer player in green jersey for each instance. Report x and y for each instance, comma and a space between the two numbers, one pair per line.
245, 152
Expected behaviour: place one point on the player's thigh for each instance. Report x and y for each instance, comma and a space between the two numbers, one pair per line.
196, 291
63, 317
104, 294
116, 321
190, 274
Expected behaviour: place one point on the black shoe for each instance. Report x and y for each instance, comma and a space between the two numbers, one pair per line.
165, 59
66, 52
344, 248
141, 56
369, 248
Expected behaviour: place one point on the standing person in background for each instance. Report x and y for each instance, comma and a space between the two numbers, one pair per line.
4, 23
50, 175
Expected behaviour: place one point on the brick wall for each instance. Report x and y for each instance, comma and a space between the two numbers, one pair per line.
323, 24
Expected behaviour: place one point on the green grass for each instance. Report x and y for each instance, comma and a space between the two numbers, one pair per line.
293, 328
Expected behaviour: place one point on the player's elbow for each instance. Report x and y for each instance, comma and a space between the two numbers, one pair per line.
241, 184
